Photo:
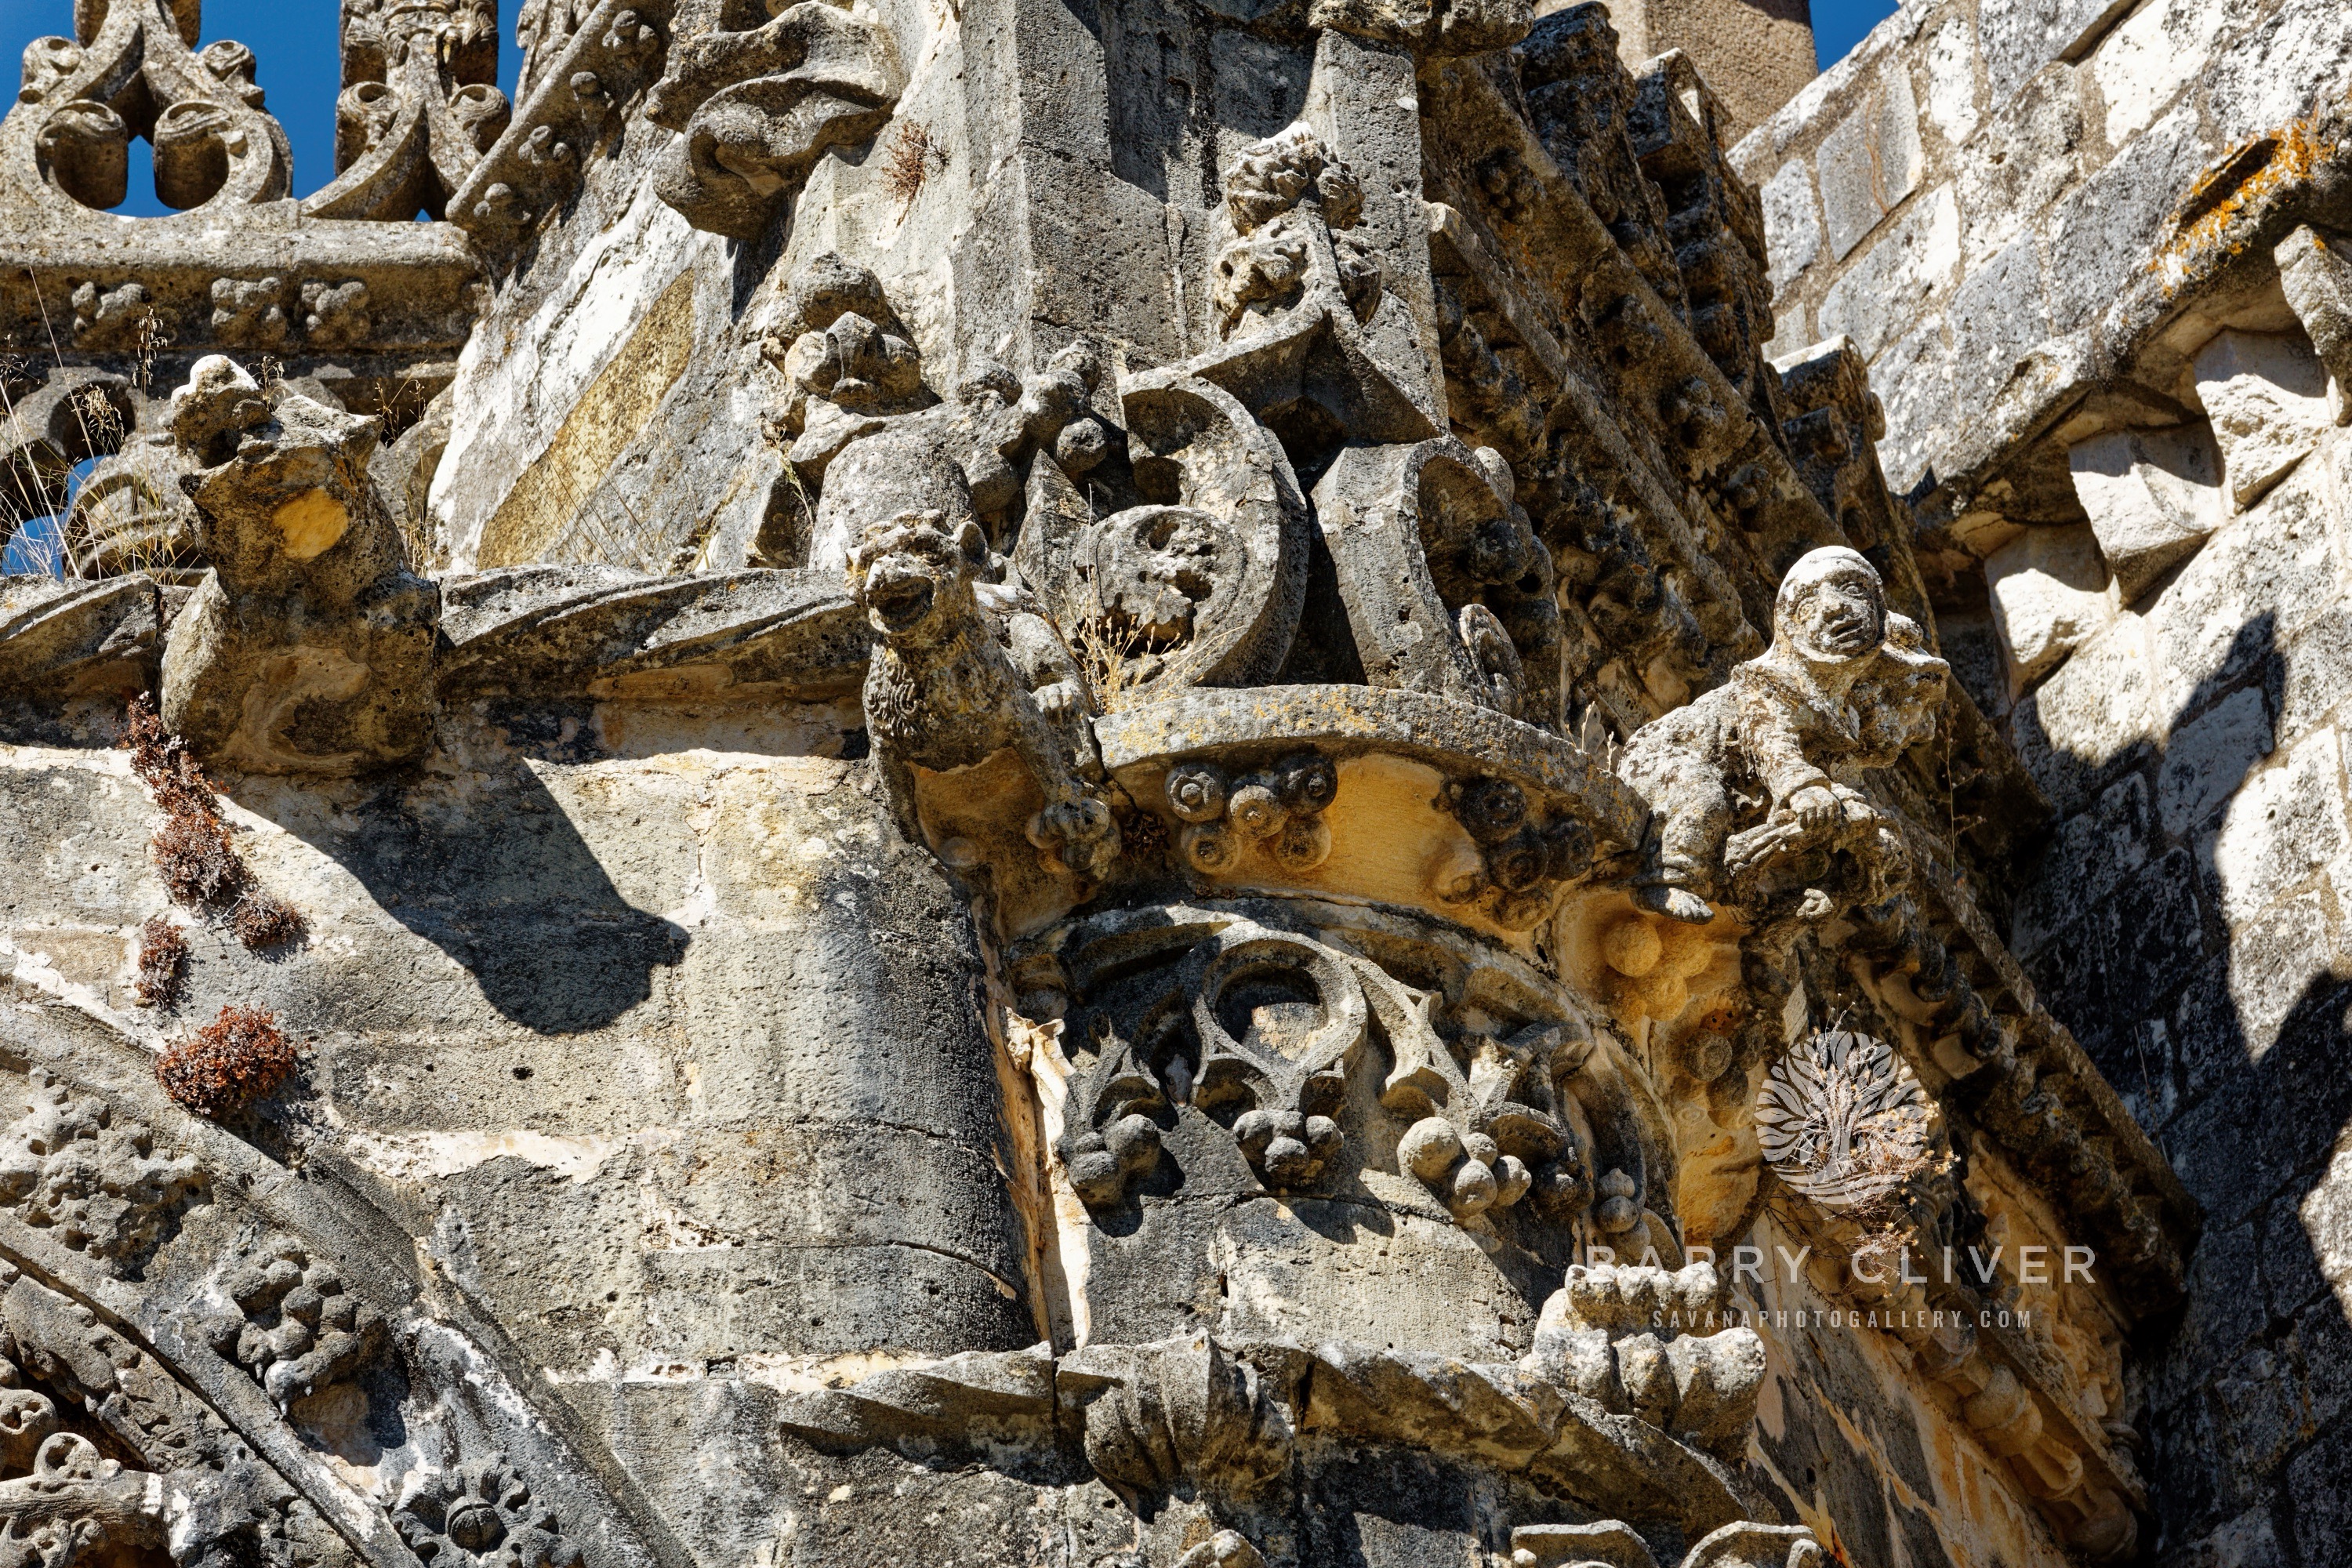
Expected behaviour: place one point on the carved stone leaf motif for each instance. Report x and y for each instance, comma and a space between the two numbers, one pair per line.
137, 72
1842, 1120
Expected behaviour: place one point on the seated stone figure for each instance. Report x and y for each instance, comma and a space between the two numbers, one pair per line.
309, 647
1845, 687
964, 664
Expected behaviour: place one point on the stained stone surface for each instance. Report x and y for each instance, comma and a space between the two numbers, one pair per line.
1358, 784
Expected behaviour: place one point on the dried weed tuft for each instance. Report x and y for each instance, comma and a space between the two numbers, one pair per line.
239, 1057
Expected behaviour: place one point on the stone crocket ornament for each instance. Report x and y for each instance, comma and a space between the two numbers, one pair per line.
1845, 686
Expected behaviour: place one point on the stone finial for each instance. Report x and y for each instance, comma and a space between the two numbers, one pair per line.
309, 648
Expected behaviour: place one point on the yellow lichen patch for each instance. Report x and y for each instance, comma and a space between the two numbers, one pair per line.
311, 523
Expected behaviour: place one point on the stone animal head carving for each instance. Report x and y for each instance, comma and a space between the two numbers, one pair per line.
914, 577
903, 510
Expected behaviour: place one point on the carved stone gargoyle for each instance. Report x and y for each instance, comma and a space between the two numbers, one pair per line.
309, 647
1765, 770
756, 109
964, 665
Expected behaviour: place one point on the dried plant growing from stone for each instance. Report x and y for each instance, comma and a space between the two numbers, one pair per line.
237, 1058
914, 158
1112, 659
163, 962
200, 867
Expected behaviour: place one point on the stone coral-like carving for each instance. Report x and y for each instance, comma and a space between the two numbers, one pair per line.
309, 648
756, 109
479, 1514
297, 1329
1656, 1345
965, 666
1842, 1120
1843, 688
94, 1181
1277, 811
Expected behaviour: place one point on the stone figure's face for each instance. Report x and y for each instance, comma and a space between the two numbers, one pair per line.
915, 573
1843, 615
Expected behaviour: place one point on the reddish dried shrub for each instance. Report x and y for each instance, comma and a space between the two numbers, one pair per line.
163, 962
200, 867
238, 1057
262, 922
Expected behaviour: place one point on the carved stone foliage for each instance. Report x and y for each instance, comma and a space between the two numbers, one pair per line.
1844, 688
296, 1327
1311, 336
309, 647
133, 70
92, 1181
1842, 1120
755, 109
419, 107
1261, 1032
479, 1514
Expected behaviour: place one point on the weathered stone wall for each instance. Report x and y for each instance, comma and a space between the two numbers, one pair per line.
638, 1023
2125, 450
2188, 921
1976, 193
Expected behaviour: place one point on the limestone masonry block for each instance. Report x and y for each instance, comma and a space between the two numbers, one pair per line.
2269, 399
2153, 496
2051, 592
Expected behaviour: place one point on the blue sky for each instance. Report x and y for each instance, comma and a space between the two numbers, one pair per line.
295, 41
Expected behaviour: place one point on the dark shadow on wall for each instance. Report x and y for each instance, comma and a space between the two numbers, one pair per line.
2234, 1049
504, 884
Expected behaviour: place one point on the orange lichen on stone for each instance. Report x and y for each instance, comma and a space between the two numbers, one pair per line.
2245, 179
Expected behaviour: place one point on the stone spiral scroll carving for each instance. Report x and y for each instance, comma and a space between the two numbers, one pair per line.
1842, 1120
1209, 589
133, 69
